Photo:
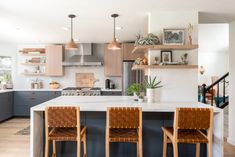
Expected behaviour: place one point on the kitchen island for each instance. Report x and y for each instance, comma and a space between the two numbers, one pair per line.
93, 115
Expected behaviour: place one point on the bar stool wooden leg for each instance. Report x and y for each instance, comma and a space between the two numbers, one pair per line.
54, 148
140, 147
46, 148
175, 149
84, 145
198, 150
164, 145
209, 149
107, 148
78, 148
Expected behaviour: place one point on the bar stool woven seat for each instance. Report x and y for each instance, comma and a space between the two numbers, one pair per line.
123, 135
64, 134
187, 136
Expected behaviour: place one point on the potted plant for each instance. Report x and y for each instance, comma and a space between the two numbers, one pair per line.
151, 86
136, 90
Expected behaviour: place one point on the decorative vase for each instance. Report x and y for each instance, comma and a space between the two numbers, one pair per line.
135, 96
190, 40
150, 95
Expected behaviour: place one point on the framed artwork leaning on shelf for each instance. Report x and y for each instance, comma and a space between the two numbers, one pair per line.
173, 36
166, 56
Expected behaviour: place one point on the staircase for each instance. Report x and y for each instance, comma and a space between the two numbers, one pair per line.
219, 98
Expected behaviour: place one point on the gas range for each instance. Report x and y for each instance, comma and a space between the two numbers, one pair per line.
77, 91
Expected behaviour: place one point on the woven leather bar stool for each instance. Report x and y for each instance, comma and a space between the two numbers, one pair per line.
189, 127
63, 124
124, 125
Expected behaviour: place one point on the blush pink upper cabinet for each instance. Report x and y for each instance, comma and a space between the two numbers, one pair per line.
54, 59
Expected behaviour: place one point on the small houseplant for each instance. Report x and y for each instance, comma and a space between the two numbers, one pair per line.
136, 90
151, 85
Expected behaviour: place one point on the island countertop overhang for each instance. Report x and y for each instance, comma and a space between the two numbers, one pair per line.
101, 103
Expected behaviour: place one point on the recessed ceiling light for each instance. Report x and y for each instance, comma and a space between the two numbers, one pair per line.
65, 28
118, 28
18, 28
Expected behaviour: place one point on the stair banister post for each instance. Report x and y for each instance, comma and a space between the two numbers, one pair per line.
204, 93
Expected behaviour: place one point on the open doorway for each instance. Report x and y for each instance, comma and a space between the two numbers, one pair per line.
213, 60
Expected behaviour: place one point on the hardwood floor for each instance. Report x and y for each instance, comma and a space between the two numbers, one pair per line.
12, 145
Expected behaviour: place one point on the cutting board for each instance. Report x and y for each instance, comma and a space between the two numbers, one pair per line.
85, 80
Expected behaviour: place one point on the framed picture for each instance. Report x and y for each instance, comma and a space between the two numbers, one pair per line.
173, 36
166, 56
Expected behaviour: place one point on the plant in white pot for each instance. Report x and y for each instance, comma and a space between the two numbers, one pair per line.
151, 86
136, 89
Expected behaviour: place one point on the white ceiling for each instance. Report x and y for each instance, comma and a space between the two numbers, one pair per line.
41, 21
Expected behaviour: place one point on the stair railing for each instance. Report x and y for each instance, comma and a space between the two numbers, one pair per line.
206, 89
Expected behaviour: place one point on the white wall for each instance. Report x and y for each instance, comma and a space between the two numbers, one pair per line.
231, 138
68, 80
213, 52
179, 84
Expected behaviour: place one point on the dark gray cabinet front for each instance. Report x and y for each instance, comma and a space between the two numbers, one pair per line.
24, 100
6, 105
111, 93
54, 94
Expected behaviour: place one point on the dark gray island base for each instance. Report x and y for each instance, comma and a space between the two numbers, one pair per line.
152, 138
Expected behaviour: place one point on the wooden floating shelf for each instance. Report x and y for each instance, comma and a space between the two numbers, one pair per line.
143, 67
31, 54
33, 74
34, 64
164, 47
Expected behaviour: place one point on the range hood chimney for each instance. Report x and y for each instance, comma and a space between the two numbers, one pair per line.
83, 57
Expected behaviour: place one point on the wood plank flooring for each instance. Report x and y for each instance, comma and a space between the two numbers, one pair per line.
12, 145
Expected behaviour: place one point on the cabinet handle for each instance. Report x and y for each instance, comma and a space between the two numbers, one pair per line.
32, 98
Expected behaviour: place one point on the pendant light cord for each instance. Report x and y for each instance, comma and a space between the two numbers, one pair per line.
71, 28
114, 31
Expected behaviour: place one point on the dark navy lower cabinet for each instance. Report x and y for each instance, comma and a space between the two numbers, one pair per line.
24, 100
111, 93
54, 94
6, 105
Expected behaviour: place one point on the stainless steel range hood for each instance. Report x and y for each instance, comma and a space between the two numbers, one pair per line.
89, 54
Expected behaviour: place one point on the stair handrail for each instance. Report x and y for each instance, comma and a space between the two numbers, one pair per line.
205, 89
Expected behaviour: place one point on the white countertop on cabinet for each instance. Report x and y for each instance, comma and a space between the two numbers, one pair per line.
100, 103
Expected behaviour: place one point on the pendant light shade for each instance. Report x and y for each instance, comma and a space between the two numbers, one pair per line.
71, 45
114, 45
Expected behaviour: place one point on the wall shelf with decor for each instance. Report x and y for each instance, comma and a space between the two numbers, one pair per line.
35, 54
164, 47
144, 67
33, 51
33, 74
33, 64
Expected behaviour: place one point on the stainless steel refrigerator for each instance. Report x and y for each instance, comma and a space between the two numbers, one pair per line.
130, 76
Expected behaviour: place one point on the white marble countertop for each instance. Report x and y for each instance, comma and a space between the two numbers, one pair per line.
29, 90
100, 103
6, 90
43, 89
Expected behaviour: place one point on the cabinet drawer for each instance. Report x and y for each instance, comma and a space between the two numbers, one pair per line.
113, 93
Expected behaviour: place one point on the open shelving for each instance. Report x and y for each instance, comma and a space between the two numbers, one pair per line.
144, 67
164, 47
33, 64
33, 74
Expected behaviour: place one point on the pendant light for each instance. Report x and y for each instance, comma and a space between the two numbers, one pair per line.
114, 45
71, 45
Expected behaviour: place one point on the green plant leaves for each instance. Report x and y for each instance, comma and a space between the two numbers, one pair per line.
152, 83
